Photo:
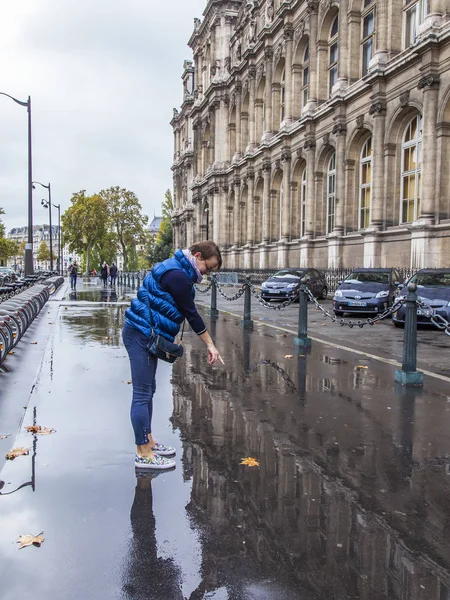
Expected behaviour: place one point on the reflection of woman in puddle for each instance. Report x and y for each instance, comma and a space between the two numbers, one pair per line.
148, 576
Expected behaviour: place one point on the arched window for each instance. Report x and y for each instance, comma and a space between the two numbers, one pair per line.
303, 204
365, 184
411, 171
305, 78
367, 39
415, 13
331, 193
282, 95
333, 54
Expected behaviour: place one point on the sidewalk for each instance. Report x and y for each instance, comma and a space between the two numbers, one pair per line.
349, 498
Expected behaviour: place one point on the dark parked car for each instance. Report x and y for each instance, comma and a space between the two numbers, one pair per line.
286, 282
433, 289
366, 291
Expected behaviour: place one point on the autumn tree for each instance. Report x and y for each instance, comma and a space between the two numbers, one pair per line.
125, 219
43, 253
85, 224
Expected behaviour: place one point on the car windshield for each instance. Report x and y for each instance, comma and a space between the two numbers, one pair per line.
431, 279
367, 277
287, 274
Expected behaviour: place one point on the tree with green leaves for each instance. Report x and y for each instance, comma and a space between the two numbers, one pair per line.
126, 220
7, 247
162, 247
85, 224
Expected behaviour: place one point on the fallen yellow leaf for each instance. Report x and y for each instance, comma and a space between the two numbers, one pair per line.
40, 430
15, 452
11, 353
250, 462
129, 382
361, 367
33, 343
30, 540
288, 356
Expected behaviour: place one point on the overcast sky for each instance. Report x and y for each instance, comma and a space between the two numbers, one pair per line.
103, 77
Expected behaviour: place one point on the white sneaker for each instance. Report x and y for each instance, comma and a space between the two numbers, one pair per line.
157, 462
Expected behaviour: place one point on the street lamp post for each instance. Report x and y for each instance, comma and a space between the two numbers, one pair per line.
29, 246
48, 204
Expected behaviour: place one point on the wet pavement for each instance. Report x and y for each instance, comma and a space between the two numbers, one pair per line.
349, 501
382, 339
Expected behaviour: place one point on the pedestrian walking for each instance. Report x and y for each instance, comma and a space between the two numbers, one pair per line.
164, 300
73, 272
113, 273
104, 273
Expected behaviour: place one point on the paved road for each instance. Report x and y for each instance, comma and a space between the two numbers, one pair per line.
349, 499
382, 339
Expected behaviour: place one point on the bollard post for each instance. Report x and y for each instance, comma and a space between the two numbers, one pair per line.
247, 322
138, 280
128, 279
408, 375
302, 339
213, 311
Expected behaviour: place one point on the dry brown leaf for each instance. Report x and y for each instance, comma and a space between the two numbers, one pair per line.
361, 367
128, 382
51, 323
324, 324
11, 353
33, 343
40, 430
250, 462
15, 452
30, 540
288, 356
107, 337
4, 436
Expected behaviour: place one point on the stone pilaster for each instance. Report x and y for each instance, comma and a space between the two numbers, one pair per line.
310, 149
237, 218
251, 108
268, 55
286, 207
378, 112
250, 208
238, 154
288, 104
313, 18
430, 86
340, 131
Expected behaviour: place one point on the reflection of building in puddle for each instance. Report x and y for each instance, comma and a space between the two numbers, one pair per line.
337, 504
95, 323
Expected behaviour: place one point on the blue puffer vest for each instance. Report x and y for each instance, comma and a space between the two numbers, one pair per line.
164, 315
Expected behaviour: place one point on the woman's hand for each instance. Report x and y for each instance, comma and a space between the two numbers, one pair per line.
213, 355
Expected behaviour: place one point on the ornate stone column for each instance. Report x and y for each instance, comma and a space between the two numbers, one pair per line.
310, 150
340, 130
215, 190
430, 86
266, 170
251, 110
237, 219
238, 91
250, 208
378, 112
286, 207
313, 17
380, 57
268, 55
288, 34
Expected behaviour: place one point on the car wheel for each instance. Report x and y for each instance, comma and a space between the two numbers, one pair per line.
324, 293
398, 324
338, 313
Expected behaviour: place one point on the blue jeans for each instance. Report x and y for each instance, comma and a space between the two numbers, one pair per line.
143, 376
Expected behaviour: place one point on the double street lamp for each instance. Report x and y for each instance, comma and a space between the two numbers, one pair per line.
29, 245
48, 204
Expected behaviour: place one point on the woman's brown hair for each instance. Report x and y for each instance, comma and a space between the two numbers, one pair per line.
208, 249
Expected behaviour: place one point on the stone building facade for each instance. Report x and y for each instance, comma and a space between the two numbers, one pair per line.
317, 132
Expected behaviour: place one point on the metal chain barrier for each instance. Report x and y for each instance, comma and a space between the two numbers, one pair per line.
342, 322
438, 320
263, 302
282, 372
205, 290
236, 296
